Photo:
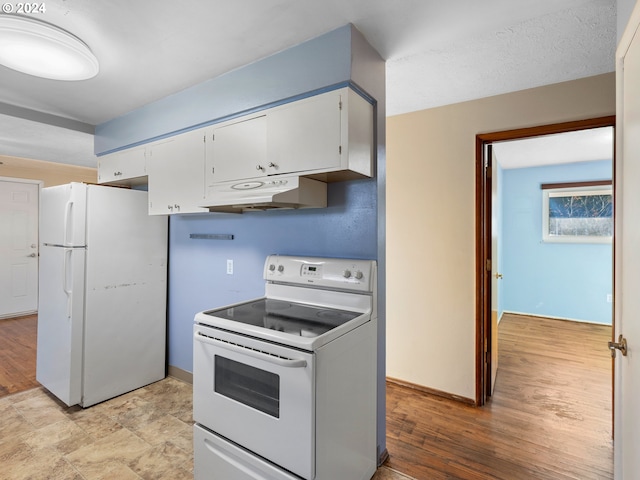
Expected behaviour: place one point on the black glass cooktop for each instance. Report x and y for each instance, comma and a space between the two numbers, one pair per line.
289, 317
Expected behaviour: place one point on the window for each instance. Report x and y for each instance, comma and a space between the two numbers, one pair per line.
248, 385
577, 212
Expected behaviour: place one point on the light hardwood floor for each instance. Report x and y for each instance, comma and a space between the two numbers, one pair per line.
549, 417
18, 354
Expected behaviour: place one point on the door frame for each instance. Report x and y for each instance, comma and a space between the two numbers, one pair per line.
483, 234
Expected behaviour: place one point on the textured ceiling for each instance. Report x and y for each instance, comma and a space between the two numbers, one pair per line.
552, 48
437, 53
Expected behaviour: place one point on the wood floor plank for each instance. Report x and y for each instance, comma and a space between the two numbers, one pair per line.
549, 418
18, 354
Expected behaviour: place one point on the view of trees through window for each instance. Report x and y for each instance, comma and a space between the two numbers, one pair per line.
581, 214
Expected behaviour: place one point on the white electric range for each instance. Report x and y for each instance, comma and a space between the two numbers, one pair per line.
285, 384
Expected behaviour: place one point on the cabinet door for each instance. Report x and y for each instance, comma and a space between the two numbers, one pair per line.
123, 166
176, 174
238, 151
305, 135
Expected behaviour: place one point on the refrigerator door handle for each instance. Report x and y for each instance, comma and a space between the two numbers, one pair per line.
67, 214
65, 276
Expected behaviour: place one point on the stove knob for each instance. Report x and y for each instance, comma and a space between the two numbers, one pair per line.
359, 275
272, 267
346, 274
280, 268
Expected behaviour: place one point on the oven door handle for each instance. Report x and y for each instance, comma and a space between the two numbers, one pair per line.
267, 357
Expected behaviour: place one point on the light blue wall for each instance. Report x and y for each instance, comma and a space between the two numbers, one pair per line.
353, 225
565, 280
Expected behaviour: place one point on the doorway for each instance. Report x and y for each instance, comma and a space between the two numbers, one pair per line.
19, 207
486, 273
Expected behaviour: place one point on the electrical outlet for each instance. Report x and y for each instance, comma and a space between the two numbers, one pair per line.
609, 298
229, 267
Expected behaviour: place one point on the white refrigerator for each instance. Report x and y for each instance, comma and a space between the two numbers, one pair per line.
102, 293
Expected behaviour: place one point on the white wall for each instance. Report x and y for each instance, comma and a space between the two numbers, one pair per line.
431, 223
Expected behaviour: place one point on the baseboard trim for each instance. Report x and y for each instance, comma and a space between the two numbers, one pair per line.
551, 317
180, 374
18, 315
432, 391
383, 457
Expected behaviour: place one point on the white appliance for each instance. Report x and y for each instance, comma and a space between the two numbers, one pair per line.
285, 385
102, 293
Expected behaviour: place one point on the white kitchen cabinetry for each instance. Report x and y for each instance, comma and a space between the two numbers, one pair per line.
306, 135
176, 174
328, 137
126, 167
237, 150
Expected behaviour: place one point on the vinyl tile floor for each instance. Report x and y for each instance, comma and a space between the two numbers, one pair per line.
144, 434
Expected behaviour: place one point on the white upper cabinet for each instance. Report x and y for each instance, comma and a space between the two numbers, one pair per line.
328, 137
306, 135
176, 174
126, 167
237, 150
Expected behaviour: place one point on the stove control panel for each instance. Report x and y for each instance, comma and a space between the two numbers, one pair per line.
311, 271
338, 273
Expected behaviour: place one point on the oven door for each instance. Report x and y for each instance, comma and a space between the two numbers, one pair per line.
258, 395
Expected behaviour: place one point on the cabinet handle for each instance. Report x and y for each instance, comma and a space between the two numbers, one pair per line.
170, 207
273, 165
115, 174
177, 207
259, 167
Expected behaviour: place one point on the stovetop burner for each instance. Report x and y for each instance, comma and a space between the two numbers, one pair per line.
288, 317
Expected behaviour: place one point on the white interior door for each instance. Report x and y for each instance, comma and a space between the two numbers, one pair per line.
627, 251
496, 276
18, 248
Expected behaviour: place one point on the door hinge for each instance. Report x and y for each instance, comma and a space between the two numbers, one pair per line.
489, 172
340, 105
340, 149
488, 265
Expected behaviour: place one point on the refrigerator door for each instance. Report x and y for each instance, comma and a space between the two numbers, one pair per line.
60, 322
125, 304
63, 214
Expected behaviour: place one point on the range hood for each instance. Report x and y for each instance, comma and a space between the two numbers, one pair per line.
266, 194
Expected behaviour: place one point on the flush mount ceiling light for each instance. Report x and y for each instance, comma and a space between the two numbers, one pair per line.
38, 48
